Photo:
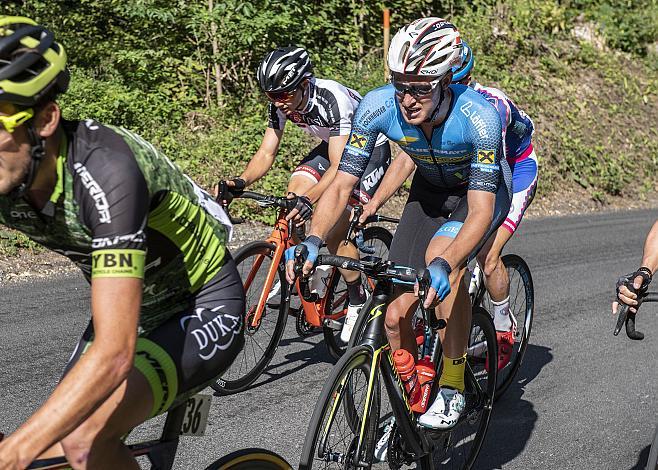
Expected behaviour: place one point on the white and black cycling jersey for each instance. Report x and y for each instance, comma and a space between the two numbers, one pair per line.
328, 111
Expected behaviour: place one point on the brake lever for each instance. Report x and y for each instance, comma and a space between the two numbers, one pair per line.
222, 190
356, 214
424, 282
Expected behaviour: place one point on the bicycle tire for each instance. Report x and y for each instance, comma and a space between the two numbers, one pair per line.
481, 327
251, 459
331, 407
332, 339
228, 384
523, 309
652, 461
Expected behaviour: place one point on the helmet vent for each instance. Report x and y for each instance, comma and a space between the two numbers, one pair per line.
403, 51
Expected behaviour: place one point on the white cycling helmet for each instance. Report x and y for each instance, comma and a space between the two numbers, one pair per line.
429, 47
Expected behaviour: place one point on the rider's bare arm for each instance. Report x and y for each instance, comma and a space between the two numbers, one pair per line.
115, 305
649, 260
332, 204
650, 256
476, 224
401, 168
336, 146
263, 159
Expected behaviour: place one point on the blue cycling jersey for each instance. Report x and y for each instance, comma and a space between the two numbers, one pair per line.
466, 150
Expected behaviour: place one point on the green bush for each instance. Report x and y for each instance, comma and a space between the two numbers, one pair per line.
150, 65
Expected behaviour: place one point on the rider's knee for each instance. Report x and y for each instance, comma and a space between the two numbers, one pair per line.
344, 249
77, 447
394, 318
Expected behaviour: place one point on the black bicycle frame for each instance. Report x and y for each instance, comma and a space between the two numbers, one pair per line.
374, 336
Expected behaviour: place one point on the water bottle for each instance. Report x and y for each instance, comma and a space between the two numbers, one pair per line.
426, 374
319, 280
406, 367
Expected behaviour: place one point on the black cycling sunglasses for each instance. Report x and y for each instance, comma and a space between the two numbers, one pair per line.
416, 89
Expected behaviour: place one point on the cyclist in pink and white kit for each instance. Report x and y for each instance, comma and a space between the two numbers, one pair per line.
517, 133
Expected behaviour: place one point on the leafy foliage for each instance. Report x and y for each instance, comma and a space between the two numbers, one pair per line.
181, 72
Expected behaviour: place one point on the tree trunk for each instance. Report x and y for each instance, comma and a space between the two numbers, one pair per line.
219, 89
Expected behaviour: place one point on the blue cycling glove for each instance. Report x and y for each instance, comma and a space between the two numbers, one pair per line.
440, 270
312, 245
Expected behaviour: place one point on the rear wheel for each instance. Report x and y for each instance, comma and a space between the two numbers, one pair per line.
253, 262
377, 239
251, 459
339, 424
522, 306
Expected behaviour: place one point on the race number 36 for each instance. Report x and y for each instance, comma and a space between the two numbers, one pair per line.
196, 415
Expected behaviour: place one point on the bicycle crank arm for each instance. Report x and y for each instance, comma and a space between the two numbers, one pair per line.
333, 324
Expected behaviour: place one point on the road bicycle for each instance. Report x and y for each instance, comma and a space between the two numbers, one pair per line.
187, 419
261, 265
627, 318
346, 422
521, 305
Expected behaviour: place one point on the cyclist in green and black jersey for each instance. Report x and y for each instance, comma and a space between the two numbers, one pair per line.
166, 299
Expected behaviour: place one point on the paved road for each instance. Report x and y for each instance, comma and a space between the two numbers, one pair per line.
584, 399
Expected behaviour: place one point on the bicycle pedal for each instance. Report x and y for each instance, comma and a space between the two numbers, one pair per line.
333, 324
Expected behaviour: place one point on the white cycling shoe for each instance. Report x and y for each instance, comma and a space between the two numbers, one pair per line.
445, 411
350, 319
273, 298
381, 448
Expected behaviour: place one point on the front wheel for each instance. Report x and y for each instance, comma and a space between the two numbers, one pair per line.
342, 431
251, 459
522, 306
254, 262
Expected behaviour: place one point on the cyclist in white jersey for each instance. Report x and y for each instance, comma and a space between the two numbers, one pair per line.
324, 110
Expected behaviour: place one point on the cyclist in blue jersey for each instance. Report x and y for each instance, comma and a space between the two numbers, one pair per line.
459, 196
517, 130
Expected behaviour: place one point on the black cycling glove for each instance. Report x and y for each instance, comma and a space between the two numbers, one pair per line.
229, 192
627, 280
302, 204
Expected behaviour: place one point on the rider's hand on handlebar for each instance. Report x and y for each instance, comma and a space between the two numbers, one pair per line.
368, 210
439, 271
300, 208
306, 252
640, 281
233, 186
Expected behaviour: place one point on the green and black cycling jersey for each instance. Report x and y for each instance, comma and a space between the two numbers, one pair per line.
122, 209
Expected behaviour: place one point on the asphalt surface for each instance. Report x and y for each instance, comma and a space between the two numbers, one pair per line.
583, 399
